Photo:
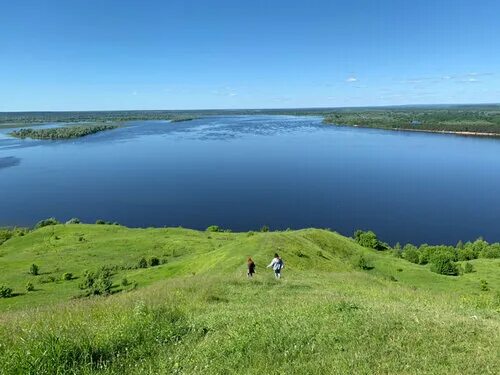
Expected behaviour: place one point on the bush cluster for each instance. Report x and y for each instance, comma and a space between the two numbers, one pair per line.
97, 283
369, 239
8, 233
442, 258
47, 222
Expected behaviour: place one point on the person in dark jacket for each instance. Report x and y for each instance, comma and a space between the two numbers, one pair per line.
251, 267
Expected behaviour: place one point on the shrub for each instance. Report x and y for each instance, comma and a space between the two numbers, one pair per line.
30, 287
410, 253
125, 282
468, 267
46, 222
34, 270
100, 222
492, 251
67, 276
5, 292
397, 251
143, 263
484, 286
213, 228
154, 261
444, 266
362, 263
73, 221
465, 254
368, 239
250, 234
5, 234
264, 229
97, 283
48, 279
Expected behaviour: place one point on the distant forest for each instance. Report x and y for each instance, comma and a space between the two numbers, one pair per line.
446, 118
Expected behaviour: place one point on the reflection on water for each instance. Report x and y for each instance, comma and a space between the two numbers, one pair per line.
9, 161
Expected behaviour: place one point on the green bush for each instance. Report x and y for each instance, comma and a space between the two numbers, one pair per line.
213, 228
67, 276
74, 221
154, 261
125, 282
369, 239
34, 270
30, 287
410, 253
397, 251
97, 283
264, 229
362, 263
492, 251
444, 266
484, 286
100, 222
468, 267
143, 263
5, 292
465, 254
46, 280
46, 222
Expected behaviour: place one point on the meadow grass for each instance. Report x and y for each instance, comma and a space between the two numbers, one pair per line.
197, 313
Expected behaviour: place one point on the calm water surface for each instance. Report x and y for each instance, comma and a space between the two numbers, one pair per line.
242, 172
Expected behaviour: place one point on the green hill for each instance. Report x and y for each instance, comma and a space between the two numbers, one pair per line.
196, 312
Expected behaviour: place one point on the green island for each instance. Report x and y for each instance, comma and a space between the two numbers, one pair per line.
106, 299
66, 132
465, 120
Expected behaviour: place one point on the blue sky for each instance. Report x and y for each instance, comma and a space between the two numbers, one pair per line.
102, 54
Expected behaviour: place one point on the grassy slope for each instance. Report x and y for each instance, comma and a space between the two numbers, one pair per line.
199, 314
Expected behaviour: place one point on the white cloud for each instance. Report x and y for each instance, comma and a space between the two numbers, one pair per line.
351, 79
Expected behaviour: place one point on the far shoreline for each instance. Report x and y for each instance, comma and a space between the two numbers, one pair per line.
444, 132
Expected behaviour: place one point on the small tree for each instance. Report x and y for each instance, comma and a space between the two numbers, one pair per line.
97, 283
154, 261
368, 239
213, 228
444, 266
46, 222
410, 253
5, 292
484, 286
468, 267
34, 270
30, 287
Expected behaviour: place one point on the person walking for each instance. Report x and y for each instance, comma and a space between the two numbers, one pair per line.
277, 265
251, 267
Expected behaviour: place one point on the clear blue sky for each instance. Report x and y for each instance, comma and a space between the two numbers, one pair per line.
180, 54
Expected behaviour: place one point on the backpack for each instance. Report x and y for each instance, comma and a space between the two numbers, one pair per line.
279, 264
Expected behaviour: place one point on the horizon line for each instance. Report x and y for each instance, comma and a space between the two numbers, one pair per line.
262, 108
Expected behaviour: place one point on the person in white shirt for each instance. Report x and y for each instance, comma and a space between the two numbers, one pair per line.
277, 265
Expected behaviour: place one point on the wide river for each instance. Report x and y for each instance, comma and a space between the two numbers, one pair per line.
243, 172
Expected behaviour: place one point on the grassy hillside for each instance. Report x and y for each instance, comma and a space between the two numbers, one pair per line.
196, 312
